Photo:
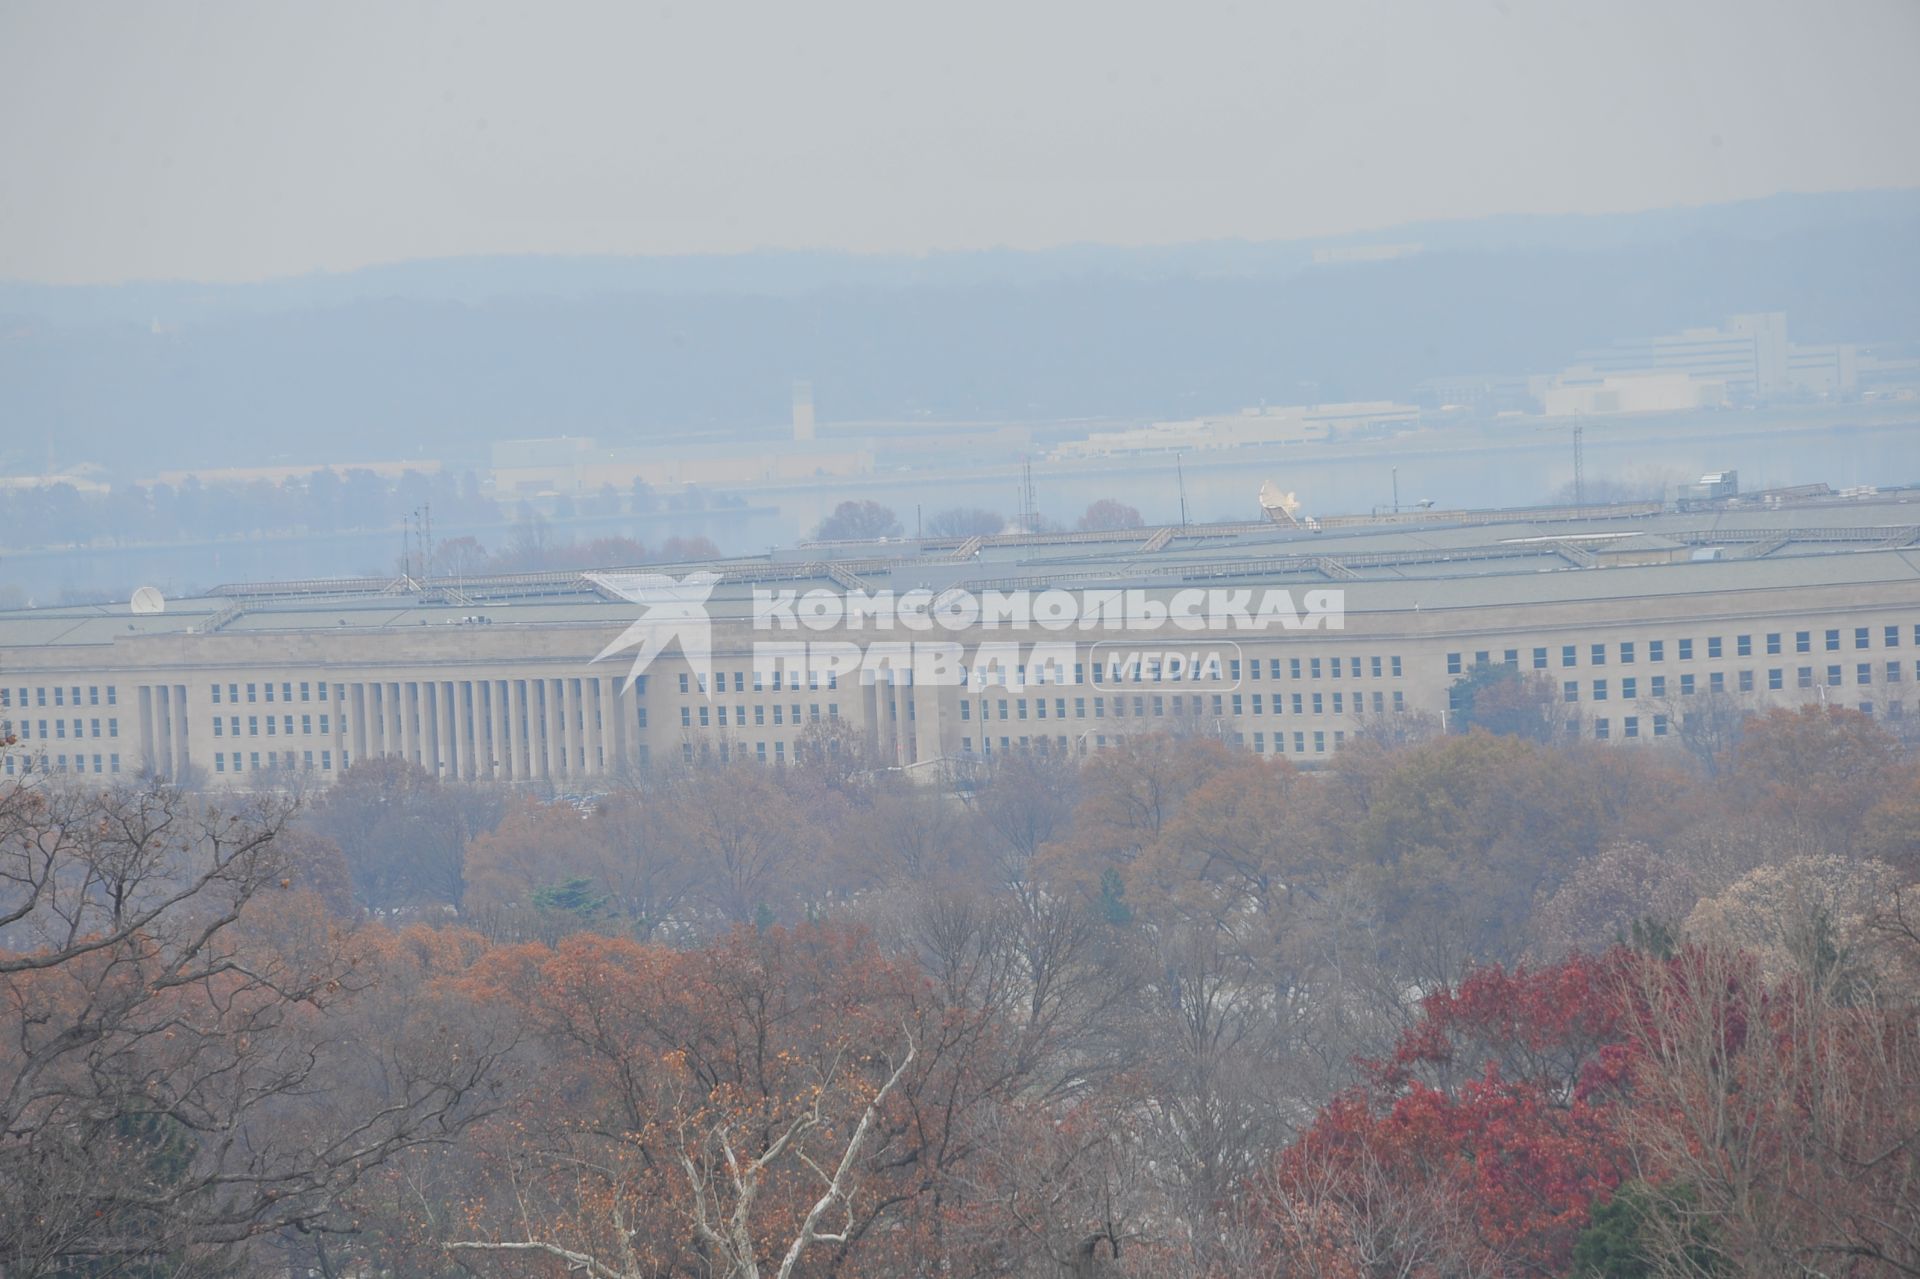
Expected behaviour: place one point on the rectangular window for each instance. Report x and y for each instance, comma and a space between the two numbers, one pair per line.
1713, 646
1860, 637
1743, 645
216, 694
1863, 674
1775, 678
1626, 652
1773, 643
1570, 691
1567, 657
1686, 685
1539, 661
1803, 641
1600, 730
1833, 640
1656, 650
1396, 667
1717, 682
1599, 690
1598, 656
1686, 650
1629, 689
1630, 726
1746, 681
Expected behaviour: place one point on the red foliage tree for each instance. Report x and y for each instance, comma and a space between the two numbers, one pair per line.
1479, 1146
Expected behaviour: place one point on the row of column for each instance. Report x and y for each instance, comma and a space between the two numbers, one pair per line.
900, 725
506, 730
163, 728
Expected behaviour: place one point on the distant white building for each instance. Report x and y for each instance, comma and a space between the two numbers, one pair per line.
1750, 356
1288, 424
1584, 392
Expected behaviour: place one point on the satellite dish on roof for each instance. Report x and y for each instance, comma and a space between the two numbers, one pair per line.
148, 600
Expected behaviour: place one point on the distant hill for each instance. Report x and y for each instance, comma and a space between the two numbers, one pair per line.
438, 358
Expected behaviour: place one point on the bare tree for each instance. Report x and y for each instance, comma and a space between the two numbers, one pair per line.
858, 522
164, 1040
965, 521
1109, 513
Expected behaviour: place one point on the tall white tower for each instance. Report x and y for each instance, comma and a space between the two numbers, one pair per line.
803, 412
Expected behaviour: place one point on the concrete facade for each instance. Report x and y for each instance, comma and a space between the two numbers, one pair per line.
240, 691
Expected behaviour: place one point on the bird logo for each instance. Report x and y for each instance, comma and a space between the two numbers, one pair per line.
671, 609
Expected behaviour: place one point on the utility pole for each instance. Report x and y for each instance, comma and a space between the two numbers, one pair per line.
1579, 466
1180, 474
1396, 490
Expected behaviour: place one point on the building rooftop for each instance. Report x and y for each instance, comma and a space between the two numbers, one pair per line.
1418, 562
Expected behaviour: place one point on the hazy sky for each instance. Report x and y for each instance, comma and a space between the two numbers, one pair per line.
255, 138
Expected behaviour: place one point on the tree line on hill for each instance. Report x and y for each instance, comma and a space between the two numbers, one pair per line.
1458, 1005
352, 499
